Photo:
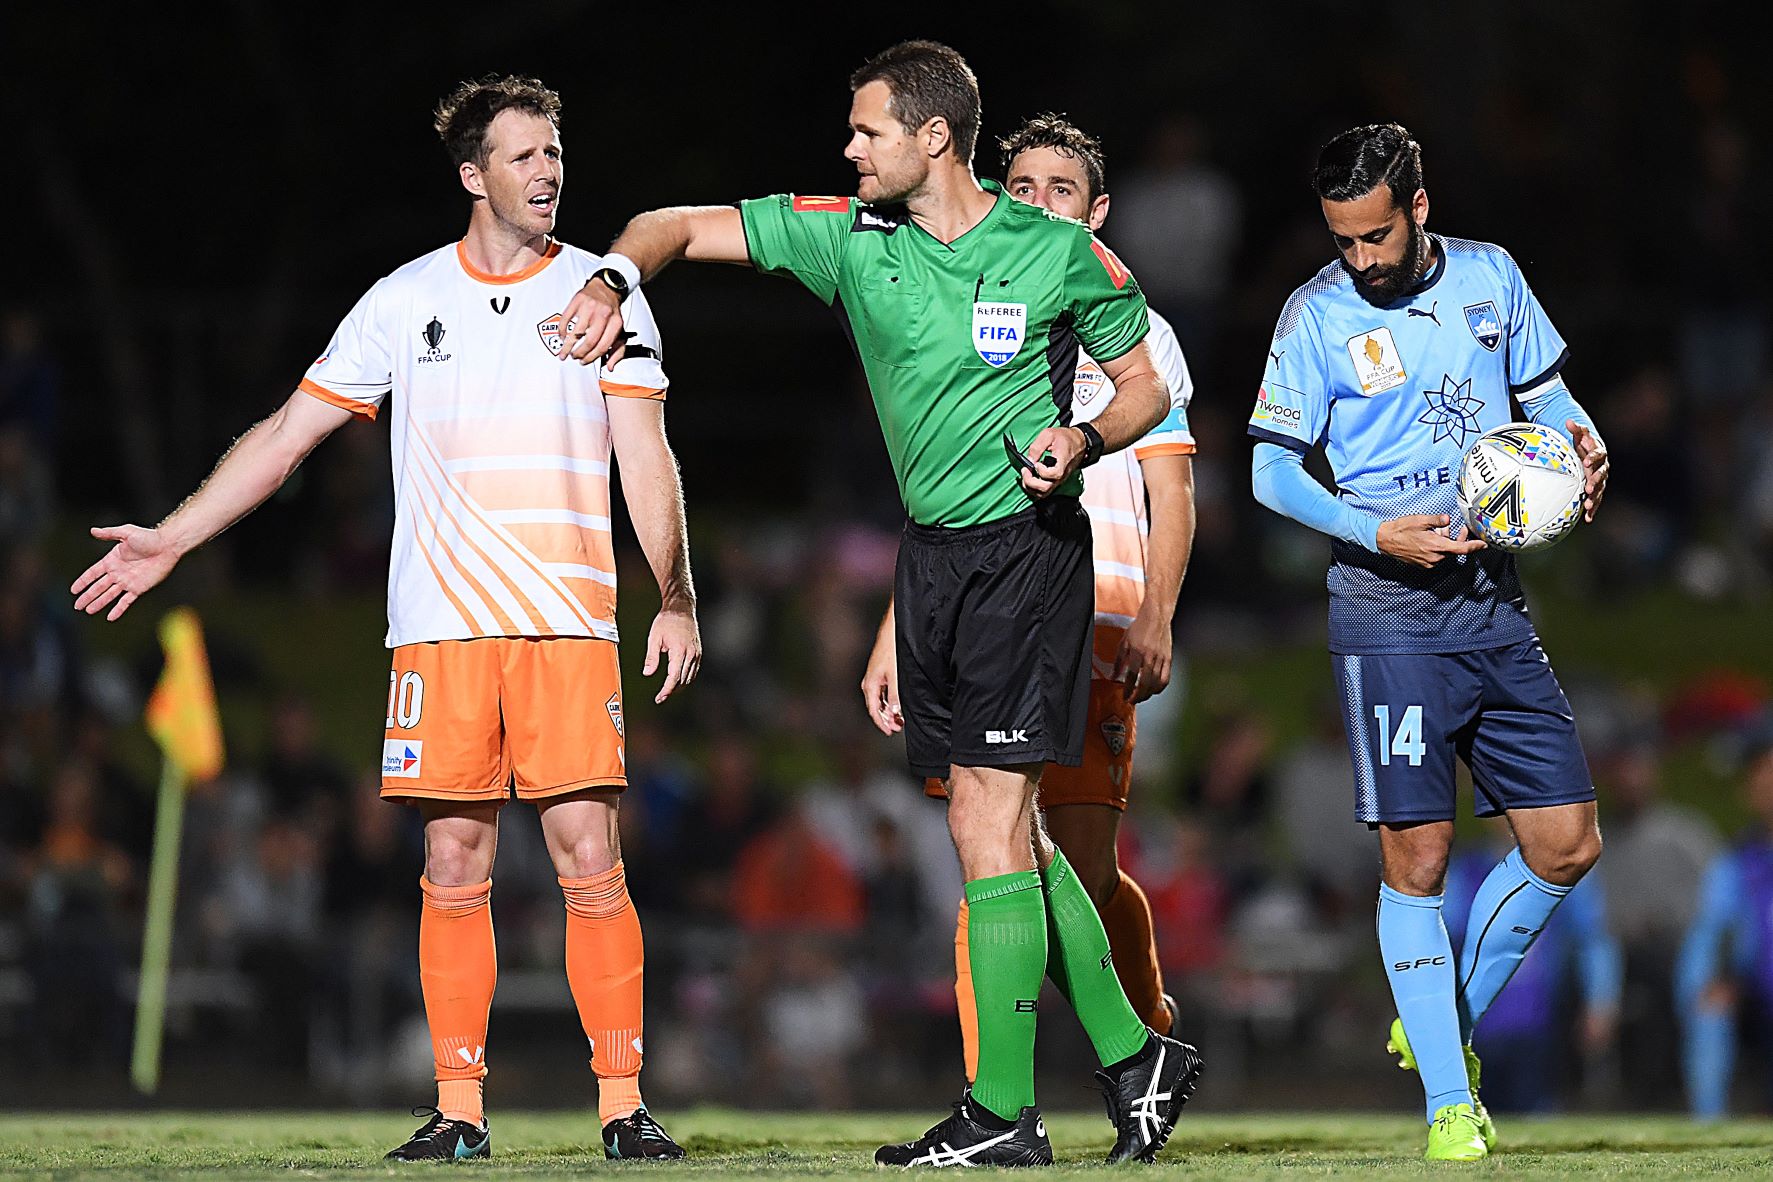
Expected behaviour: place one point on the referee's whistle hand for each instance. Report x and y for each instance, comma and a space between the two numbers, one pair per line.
1056, 454
1421, 540
591, 325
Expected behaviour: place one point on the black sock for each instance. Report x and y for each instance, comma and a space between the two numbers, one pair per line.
987, 1119
1142, 1055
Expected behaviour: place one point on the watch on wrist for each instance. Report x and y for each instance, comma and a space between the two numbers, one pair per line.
614, 280
1092, 443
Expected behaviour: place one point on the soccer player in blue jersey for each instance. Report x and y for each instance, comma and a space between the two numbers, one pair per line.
1396, 357
1726, 967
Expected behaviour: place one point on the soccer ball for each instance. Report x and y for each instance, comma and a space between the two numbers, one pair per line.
1520, 487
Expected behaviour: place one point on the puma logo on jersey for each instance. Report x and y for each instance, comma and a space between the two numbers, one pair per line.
998, 738
1428, 315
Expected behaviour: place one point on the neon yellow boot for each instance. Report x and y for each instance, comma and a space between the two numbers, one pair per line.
1399, 1045
1456, 1135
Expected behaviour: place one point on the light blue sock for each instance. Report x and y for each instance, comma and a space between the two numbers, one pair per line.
1419, 964
1507, 915
1708, 1057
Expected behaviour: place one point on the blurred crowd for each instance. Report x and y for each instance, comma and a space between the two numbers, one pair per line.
798, 891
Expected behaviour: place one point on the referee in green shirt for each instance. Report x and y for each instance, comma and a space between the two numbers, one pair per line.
967, 310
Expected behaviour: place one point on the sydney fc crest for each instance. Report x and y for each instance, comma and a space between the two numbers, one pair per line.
998, 331
1485, 325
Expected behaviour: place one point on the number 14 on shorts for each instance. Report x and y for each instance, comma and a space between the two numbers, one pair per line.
1405, 742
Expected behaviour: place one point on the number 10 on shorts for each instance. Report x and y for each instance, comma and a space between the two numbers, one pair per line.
406, 700
1406, 741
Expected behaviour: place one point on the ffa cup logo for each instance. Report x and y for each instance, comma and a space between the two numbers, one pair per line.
549, 330
1377, 366
432, 334
1485, 325
1114, 733
1089, 383
998, 330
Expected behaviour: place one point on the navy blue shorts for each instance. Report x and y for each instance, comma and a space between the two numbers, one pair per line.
1501, 710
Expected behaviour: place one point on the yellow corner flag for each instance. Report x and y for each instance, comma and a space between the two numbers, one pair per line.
182, 718
181, 713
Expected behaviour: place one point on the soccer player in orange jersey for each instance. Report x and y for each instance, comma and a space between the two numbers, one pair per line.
1141, 507
501, 589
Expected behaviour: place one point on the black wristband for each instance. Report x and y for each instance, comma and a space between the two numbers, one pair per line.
1093, 444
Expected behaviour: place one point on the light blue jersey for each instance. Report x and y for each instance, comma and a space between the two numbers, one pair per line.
1396, 394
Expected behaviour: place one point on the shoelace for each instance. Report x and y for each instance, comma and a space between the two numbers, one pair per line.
646, 1128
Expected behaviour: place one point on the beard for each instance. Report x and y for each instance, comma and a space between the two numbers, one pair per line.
1387, 285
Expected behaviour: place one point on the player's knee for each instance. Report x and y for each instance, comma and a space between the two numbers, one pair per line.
585, 855
457, 859
1565, 863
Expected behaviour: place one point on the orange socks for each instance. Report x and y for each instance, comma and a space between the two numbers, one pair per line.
963, 995
457, 970
604, 962
1127, 918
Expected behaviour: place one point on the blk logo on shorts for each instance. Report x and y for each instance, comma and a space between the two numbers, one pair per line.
998, 738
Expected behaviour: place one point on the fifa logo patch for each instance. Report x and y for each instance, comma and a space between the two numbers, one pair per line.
1114, 733
402, 758
998, 331
1485, 325
614, 706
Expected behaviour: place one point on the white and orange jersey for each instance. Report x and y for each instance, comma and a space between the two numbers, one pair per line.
1114, 489
501, 451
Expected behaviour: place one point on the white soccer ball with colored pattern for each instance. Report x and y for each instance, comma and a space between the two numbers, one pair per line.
1520, 487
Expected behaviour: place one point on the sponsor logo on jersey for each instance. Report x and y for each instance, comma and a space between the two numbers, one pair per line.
1377, 365
1089, 382
821, 205
1485, 324
1452, 411
1270, 409
1114, 733
614, 706
549, 330
998, 330
402, 758
868, 219
432, 334
1117, 270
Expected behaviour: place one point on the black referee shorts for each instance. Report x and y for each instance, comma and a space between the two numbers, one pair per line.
994, 624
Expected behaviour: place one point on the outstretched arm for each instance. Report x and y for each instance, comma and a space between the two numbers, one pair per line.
248, 472
654, 492
591, 326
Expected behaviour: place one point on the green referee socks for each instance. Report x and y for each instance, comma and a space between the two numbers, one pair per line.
1080, 966
1007, 946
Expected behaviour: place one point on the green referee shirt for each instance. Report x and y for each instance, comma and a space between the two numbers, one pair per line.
961, 341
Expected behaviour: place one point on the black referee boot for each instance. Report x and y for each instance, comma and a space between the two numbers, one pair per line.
961, 1140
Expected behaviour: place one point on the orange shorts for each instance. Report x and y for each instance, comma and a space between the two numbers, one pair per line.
467, 719
1107, 769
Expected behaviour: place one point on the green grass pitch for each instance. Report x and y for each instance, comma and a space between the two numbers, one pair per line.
755, 1144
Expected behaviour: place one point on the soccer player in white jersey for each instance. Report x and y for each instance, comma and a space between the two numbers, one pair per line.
501, 589
1141, 553
1396, 357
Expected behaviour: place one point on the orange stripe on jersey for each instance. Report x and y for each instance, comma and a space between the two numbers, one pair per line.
571, 603
515, 276
500, 619
361, 409
618, 390
553, 541
509, 489
1117, 270
506, 623
598, 598
1163, 449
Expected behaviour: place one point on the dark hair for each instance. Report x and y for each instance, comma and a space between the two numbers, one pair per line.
1053, 131
462, 118
927, 80
1363, 158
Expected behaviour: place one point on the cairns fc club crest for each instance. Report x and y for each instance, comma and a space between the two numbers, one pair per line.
998, 330
1114, 733
1485, 325
549, 330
